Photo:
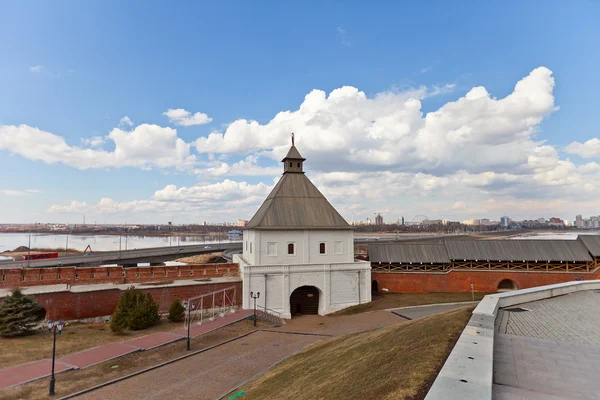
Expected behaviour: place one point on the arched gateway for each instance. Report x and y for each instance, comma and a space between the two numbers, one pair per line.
304, 301
299, 251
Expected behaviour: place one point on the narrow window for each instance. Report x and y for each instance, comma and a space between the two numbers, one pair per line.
2, 276
108, 274
291, 164
92, 275
76, 276
291, 248
298, 165
250, 248
322, 248
246, 245
41, 277
58, 275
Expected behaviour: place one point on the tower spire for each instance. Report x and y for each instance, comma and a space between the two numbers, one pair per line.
292, 138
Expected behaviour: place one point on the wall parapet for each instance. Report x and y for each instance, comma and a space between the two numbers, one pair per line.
16, 277
468, 371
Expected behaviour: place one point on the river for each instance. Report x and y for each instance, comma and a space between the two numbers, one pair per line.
10, 241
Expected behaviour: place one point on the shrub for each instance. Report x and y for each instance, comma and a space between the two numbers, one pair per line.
135, 310
176, 311
19, 314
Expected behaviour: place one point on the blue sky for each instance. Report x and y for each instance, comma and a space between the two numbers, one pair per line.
74, 69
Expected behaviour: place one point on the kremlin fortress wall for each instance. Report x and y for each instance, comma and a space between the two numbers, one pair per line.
73, 293
447, 266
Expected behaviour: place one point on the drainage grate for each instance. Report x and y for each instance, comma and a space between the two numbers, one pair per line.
517, 309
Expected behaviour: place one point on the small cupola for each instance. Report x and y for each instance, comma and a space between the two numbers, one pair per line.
293, 161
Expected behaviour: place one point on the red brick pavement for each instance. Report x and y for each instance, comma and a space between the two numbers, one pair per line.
154, 340
99, 354
30, 372
208, 326
39, 369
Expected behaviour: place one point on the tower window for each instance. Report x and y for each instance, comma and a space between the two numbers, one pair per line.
322, 248
291, 163
291, 249
298, 165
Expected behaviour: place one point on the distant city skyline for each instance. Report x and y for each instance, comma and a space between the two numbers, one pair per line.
461, 111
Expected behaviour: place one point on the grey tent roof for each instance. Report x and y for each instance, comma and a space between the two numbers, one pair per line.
515, 250
592, 243
408, 253
293, 154
294, 204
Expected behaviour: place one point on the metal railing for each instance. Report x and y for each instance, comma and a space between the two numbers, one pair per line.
269, 315
217, 302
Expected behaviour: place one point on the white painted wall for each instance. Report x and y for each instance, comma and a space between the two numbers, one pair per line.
306, 244
339, 284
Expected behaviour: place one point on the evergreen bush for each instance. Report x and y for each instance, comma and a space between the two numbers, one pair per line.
19, 314
176, 311
135, 310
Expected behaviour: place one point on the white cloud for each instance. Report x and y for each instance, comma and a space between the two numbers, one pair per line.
349, 131
471, 157
183, 117
13, 192
94, 141
146, 146
343, 37
37, 69
589, 149
125, 121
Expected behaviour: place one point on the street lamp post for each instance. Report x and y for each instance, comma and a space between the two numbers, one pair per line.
189, 307
54, 326
255, 297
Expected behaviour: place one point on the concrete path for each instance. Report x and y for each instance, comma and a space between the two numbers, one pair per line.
32, 371
211, 374
334, 325
425, 311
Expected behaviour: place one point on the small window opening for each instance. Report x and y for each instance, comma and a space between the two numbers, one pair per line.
298, 165
290, 248
322, 248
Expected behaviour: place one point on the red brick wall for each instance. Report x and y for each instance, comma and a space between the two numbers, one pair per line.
10, 278
68, 305
460, 281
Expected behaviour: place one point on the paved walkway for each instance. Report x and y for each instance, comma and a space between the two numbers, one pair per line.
211, 374
425, 311
549, 349
216, 372
39, 369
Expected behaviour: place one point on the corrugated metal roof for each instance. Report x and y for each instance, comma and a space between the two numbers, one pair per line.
408, 253
518, 250
295, 203
592, 243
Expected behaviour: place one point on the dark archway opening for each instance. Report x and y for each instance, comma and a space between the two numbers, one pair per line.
506, 285
304, 301
374, 286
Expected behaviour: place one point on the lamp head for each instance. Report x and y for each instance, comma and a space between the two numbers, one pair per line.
50, 324
185, 305
60, 325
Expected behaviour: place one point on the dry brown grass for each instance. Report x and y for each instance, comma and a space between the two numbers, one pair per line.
75, 337
74, 381
384, 301
396, 362
200, 258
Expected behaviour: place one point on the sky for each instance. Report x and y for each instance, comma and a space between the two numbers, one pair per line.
148, 112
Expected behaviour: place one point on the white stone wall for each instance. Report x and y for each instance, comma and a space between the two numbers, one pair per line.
338, 284
270, 247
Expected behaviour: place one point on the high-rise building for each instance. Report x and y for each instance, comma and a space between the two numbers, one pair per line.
579, 221
378, 220
504, 221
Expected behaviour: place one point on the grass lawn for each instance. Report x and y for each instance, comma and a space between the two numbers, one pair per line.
73, 381
75, 337
399, 361
384, 301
